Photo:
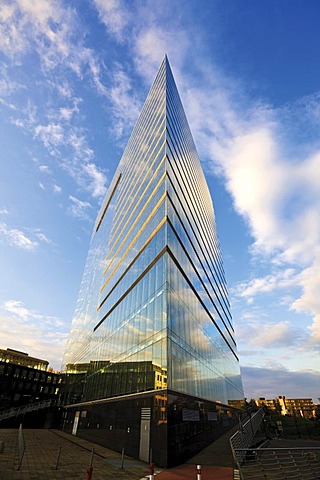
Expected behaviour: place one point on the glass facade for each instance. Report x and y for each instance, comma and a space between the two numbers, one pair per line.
153, 312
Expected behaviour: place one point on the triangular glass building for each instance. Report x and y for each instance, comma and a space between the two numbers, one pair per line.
151, 359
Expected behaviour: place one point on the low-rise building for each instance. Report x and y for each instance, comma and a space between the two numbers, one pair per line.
298, 407
21, 358
25, 380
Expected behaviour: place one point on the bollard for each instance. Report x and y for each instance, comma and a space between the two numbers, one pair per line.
21, 446
90, 468
57, 461
198, 472
89, 472
91, 458
122, 458
151, 471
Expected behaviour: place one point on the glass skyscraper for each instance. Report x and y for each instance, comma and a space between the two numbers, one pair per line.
151, 358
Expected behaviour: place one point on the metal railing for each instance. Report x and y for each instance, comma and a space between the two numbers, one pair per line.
243, 438
301, 463
15, 411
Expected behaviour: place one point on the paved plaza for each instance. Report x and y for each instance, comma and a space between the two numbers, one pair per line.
41, 462
53, 455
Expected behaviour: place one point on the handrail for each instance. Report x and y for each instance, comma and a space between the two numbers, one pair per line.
277, 449
280, 463
15, 411
243, 438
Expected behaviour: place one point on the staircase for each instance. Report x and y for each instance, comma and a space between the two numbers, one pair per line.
32, 407
278, 459
281, 464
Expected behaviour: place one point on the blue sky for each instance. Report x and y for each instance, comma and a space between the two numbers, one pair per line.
73, 78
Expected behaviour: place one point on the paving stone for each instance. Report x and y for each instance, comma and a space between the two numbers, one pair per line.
40, 459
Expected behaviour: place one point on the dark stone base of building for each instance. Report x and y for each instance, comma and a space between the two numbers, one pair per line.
160, 426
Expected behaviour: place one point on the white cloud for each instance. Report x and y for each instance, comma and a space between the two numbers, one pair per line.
66, 113
47, 28
78, 208
57, 189
280, 199
151, 45
98, 179
45, 169
271, 335
37, 333
28, 240
64, 89
16, 238
96, 73
309, 302
278, 280
27, 116
24, 18
69, 144
4, 211
114, 15
16, 307
125, 103
8, 86
54, 32
272, 382
256, 198
52, 136
78, 142
81, 167
153, 42
148, 43
144, 30
42, 237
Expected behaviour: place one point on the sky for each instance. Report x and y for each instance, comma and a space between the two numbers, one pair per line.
74, 75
